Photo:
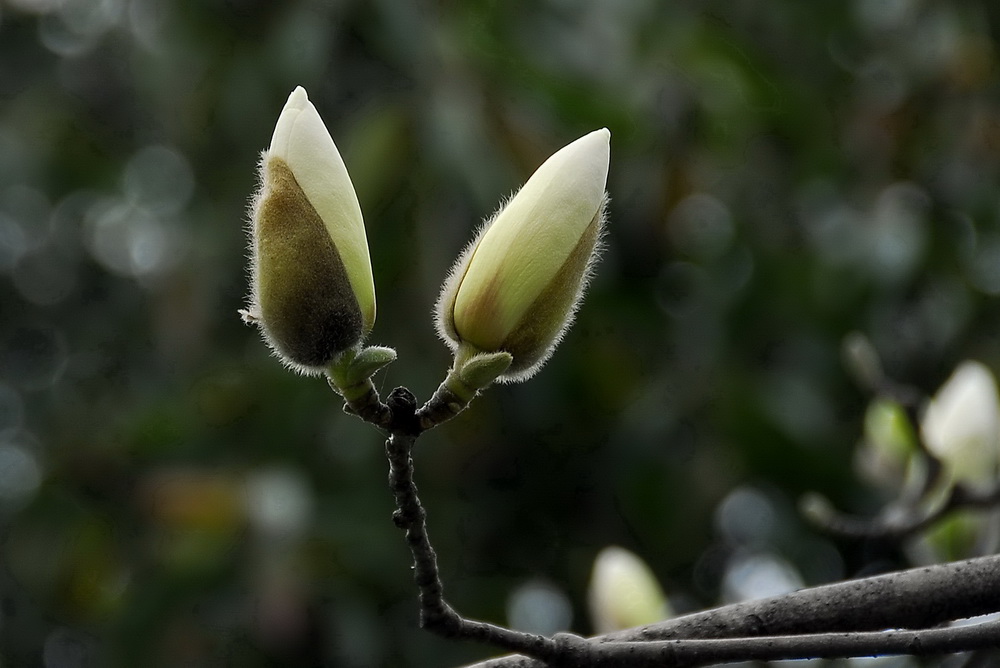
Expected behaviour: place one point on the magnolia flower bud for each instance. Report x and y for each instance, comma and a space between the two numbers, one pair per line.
623, 592
313, 294
516, 286
961, 426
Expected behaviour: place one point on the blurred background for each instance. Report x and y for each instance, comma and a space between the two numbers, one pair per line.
783, 174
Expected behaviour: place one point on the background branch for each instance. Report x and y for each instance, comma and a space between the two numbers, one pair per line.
916, 598
690, 653
898, 522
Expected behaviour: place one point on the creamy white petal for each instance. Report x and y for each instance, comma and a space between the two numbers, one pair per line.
961, 425
530, 239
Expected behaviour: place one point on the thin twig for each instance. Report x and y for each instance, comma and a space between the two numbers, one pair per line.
368, 405
435, 613
443, 405
901, 523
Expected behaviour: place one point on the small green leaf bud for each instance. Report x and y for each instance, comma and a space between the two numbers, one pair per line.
484, 368
516, 287
350, 374
312, 289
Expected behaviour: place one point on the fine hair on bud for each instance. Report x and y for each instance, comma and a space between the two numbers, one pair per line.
534, 338
545, 324
301, 294
444, 321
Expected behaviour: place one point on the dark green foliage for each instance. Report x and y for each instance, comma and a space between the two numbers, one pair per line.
782, 174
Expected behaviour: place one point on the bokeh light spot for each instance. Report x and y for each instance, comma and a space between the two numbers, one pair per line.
701, 226
752, 576
746, 517
159, 179
279, 502
130, 240
20, 474
539, 607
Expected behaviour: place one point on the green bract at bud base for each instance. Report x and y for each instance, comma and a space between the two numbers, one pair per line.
312, 289
516, 287
350, 374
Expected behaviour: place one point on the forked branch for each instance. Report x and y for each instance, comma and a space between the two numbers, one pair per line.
838, 620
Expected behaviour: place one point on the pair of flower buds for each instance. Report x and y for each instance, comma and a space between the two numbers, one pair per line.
504, 306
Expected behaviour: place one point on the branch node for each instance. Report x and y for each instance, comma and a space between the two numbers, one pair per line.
403, 406
569, 650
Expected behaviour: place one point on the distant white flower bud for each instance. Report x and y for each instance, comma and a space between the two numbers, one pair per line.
961, 425
624, 592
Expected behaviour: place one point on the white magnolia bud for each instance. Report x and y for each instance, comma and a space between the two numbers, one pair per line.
516, 286
313, 292
624, 592
961, 425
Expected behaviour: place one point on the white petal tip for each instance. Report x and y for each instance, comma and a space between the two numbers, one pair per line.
598, 140
298, 98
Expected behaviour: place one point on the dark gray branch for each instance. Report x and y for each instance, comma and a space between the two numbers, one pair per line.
368, 407
830, 621
692, 653
916, 598
435, 613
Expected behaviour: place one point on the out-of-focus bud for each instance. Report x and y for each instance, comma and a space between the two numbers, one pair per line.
888, 453
516, 286
962, 534
313, 293
624, 592
961, 426
862, 360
